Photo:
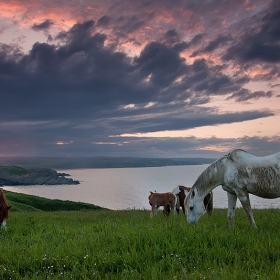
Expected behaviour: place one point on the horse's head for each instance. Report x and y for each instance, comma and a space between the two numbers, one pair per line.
194, 206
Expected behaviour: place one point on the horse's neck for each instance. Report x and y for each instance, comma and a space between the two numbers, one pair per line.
211, 177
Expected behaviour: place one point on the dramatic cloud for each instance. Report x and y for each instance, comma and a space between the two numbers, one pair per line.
115, 68
260, 43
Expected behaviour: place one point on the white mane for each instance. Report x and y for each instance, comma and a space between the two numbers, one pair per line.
202, 182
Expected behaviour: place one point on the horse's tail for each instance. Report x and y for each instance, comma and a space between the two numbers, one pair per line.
210, 204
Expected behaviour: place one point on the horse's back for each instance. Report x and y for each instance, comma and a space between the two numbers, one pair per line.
181, 189
161, 197
171, 196
261, 175
241, 158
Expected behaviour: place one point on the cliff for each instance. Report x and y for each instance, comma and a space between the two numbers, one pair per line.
14, 176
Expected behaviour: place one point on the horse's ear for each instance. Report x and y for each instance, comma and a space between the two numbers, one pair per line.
151, 192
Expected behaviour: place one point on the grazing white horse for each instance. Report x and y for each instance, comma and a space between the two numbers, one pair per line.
239, 173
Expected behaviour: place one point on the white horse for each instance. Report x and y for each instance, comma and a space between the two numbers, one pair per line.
239, 173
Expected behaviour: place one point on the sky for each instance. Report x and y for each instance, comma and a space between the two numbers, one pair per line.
147, 78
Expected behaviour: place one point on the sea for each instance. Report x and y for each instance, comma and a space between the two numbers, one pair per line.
128, 188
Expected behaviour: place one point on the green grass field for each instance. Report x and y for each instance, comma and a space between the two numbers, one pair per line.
104, 244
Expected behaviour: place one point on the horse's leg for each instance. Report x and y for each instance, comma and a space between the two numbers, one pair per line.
175, 210
173, 207
164, 209
210, 204
167, 209
156, 209
152, 211
177, 204
3, 225
183, 207
231, 208
245, 201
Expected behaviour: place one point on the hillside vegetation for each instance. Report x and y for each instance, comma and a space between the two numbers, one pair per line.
24, 202
11, 175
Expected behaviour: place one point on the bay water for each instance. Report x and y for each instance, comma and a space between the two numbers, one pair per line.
128, 188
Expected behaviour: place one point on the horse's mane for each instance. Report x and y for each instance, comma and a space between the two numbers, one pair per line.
202, 181
231, 155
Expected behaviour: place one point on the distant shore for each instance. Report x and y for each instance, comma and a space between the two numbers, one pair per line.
60, 163
11, 175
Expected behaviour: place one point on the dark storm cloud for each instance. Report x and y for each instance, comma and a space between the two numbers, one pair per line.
47, 24
103, 21
82, 72
162, 63
81, 76
220, 41
201, 78
129, 24
182, 45
172, 36
182, 120
80, 31
259, 43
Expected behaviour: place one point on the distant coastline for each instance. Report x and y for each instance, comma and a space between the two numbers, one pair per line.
99, 162
19, 176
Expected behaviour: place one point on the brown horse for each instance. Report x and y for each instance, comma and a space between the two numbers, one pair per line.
4, 209
182, 192
167, 200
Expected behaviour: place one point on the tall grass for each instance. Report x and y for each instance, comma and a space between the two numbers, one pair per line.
131, 245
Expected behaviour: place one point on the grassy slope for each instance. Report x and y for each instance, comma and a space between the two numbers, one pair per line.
130, 245
24, 202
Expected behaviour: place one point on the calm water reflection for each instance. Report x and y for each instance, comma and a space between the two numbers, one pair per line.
127, 188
